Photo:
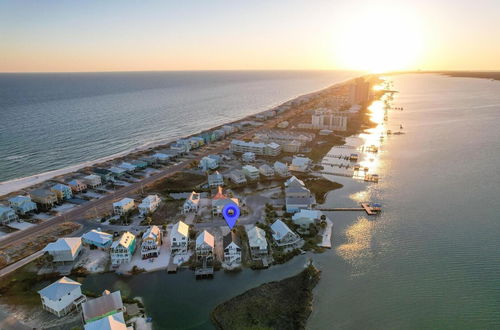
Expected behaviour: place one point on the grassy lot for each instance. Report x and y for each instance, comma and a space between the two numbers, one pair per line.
320, 187
286, 304
179, 182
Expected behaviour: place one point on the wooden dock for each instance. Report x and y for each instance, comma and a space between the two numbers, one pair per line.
207, 272
171, 268
367, 207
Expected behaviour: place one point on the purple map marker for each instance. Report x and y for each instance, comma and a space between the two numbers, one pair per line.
231, 212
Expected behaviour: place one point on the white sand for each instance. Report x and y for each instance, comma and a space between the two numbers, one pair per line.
20, 225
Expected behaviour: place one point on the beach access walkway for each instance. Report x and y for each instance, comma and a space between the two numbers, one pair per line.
12, 267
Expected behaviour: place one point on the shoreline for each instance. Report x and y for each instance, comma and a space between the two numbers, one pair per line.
18, 184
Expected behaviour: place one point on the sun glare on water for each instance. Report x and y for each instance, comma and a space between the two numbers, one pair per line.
379, 40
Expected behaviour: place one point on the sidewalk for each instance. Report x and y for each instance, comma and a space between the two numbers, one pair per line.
9, 269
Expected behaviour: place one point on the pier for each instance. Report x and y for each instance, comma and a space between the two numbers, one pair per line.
369, 208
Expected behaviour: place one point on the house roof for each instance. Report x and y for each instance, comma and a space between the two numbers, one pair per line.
273, 145
98, 237
111, 322
152, 232
60, 187
231, 237
205, 237
19, 199
301, 161
280, 164
220, 194
280, 229
181, 228
298, 201
150, 199
106, 303
250, 168
125, 240
309, 214
59, 288
257, 237
65, 244
75, 182
123, 202
4, 209
294, 181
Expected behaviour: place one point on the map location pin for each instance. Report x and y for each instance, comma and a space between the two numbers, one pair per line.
231, 213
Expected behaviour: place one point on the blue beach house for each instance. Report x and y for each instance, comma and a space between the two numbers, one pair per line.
22, 204
62, 191
98, 239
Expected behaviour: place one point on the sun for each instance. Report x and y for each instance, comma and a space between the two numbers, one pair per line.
379, 40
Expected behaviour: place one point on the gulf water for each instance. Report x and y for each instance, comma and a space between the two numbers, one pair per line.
53, 121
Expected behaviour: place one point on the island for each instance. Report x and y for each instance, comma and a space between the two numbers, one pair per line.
284, 304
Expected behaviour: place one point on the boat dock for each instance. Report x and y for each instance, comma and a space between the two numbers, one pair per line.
369, 208
171, 268
326, 236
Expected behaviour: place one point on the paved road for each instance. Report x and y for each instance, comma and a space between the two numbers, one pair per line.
105, 202
20, 263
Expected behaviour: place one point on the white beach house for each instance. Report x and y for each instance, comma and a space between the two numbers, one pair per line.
281, 169
284, 236
305, 218
297, 196
209, 163
128, 167
300, 164
149, 204
123, 249
65, 249
192, 203
205, 244
62, 296
251, 172
179, 238
62, 191
123, 206
257, 241
248, 157
151, 243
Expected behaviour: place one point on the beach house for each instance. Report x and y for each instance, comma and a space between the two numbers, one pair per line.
106, 305
237, 176
220, 200
266, 170
97, 239
149, 204
205, 243
281, 169
105, 174
123, 249
231, 244
300, 164
77, 186
297, 196
66, 249
22, 204
251, 172
272, 149
305, 218
7, 215
284, 236
123, 206
192, 203
62, 296
117, 171
92, 180
161, 157
209, 163
151, 243
216, 179
139, 164
257, 241
179, 238
248, 157
111, 322
128, 167
62, 191
44, 198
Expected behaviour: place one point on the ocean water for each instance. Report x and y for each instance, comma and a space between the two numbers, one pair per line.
52, 121
431, 260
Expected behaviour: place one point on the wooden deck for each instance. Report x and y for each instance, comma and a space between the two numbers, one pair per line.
364, 207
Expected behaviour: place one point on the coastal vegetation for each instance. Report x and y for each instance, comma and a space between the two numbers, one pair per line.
284, 304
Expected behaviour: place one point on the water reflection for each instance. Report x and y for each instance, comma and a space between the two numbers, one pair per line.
358, 245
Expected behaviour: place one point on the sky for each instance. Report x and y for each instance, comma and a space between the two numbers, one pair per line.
367, 35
